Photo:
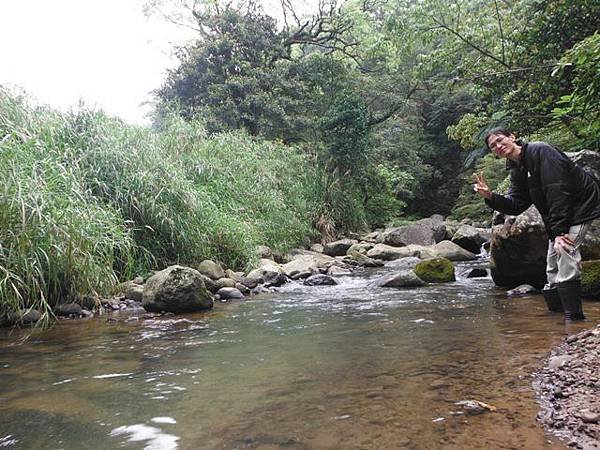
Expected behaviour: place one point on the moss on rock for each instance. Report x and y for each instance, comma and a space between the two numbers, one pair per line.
590, 278
435, 270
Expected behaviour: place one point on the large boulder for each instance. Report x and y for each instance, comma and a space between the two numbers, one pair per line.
362, 260
435, 270
338, 248
471, 238
405, 263
404, 278
518, 251
308, 261
423, 232
388, 252
267, 270
176, 289
453, 252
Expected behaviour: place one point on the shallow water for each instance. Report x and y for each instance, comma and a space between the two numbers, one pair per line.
347, 366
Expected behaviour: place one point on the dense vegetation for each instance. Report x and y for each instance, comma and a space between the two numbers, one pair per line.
357, 115
87, 200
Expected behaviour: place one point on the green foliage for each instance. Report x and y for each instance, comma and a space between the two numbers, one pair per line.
468, 130
471, 206
590, 278
57, 241
88, 200
579, 111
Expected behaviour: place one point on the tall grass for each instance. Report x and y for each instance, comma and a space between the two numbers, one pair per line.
56, 240
87, 200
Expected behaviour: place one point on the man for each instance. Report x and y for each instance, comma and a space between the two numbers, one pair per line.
566, 196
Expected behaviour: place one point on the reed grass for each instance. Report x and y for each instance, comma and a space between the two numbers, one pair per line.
88, 200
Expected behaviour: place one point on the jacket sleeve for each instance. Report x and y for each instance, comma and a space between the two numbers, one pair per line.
555, 175
516, 200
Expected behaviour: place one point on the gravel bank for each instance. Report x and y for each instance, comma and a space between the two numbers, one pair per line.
568, 389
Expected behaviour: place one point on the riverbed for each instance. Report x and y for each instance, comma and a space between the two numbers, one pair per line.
326, 367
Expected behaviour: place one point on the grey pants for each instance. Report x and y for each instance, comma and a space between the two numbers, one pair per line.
566, 265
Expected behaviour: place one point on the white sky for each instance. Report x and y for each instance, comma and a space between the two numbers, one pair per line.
106, 53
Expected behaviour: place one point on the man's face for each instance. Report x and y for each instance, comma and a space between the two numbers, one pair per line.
501, 145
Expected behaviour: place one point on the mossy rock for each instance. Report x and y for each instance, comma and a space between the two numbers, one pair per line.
590, 278
435, 270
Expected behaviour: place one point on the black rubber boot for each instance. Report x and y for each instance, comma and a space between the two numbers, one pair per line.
553, 300
570, 297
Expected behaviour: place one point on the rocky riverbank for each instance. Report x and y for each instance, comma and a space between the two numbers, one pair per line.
568, 389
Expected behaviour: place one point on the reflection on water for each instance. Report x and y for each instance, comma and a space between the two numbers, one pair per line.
346, 366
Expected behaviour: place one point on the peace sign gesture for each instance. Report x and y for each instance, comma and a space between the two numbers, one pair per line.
481, 186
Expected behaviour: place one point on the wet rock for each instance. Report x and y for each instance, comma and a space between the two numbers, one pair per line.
372, 237
274, 279
249, 283
474, 407
176, 289
301, 275
589, 416
25, 317
363, 260
453, 252
317, 248
471, 238
405, 278
338, 248
405, 263
210, 284
424, 232
568, 391
267, 270
361, 247
477, 273
68, 309
319, 280
134, 291
521, 290
337, 271
211, 269
237, 276
242, 288
435, 270
559, 361
91, 302
306, 262
227, 293
225, 282
388, 252
259, 290
264, 252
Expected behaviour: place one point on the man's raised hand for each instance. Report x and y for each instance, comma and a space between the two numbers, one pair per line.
481, 186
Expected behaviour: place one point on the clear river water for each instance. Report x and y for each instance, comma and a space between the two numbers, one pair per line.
326, 367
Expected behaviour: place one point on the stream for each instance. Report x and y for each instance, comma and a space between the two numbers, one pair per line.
325, 367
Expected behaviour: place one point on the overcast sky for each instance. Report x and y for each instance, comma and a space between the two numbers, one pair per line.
104, 52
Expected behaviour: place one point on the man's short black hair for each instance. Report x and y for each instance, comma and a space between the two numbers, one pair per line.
498, 131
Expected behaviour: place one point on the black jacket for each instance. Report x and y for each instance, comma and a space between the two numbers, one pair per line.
564, 194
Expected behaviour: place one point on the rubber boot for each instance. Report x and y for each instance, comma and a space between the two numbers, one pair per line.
552, 300
570, 297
